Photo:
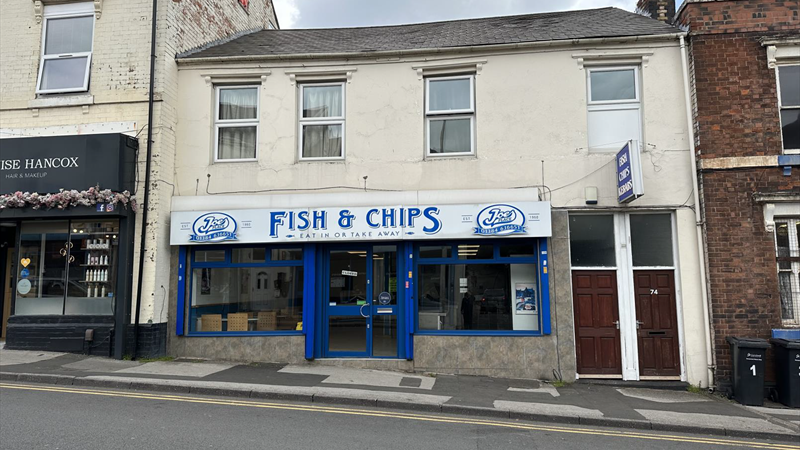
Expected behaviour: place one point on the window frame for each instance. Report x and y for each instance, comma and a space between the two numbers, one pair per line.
614, 105
234, 123
331, 120
791, 221
788, 151
228, 264
536, 245
76, 12
450, 114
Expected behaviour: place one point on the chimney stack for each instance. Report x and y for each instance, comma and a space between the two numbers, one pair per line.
663, 10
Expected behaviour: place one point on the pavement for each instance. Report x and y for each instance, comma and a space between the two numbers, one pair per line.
619, 406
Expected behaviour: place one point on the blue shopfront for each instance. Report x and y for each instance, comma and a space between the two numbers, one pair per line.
363, 281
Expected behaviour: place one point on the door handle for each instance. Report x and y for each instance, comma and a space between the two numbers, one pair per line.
361, 311
616, 322
639, 324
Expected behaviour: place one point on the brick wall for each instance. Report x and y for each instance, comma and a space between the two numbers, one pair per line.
739, 16
741, 255
735, 108
737, 102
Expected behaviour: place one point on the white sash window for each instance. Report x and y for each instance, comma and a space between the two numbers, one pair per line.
67, 37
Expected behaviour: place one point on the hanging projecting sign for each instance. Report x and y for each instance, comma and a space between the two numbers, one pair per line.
524, 219
629, 173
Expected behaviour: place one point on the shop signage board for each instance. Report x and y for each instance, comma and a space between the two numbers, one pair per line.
629, 173
334, 224
48, 164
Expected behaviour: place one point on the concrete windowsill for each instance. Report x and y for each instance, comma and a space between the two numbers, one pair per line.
61, 101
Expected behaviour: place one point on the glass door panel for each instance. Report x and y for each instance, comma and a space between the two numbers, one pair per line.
384, 301
42, 268
347, 334
348, 305
384, 335
91, 283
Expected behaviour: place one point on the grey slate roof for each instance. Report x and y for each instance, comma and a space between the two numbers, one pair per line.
590, 23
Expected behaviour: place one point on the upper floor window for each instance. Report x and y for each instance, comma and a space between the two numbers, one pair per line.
236, 123
787, 244
789, 102
322, 121
66, 48
614, 107
450, 115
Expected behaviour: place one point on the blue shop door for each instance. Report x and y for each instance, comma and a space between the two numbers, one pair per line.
360, 301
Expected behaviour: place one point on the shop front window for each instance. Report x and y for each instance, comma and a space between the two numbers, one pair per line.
67, 268
485, 287
248, 289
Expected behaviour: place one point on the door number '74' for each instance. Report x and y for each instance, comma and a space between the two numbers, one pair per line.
653, 291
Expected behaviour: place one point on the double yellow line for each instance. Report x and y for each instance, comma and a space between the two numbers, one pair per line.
406, 416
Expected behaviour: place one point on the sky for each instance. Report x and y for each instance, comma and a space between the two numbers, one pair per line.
354, 13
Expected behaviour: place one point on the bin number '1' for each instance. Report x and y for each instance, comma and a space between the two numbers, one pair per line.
753, 369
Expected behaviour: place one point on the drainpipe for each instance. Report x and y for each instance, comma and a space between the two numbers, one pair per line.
146, 201
698, 219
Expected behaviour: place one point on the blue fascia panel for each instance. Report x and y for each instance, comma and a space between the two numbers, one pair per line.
181, 306
410, 304
309, 297
544, 285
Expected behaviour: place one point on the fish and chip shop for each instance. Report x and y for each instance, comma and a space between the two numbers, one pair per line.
414, 280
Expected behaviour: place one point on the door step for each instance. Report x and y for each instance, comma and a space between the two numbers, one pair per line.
402, 365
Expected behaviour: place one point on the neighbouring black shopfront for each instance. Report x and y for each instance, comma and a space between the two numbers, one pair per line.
66, 242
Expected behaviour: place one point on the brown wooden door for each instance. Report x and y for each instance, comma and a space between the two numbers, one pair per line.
594, 296
657, 323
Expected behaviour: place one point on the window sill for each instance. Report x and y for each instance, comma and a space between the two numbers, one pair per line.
321, 160
235, 161
434, 156
61, 101
243, 333
478, 333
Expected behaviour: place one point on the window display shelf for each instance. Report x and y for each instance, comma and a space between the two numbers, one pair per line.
105, 282
94, 249
95, 265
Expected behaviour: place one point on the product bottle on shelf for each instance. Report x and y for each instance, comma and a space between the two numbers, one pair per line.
103, 291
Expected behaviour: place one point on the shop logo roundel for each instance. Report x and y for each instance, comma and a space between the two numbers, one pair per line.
213, 227
500, 220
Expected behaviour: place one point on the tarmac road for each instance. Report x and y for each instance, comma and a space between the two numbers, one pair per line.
56, 417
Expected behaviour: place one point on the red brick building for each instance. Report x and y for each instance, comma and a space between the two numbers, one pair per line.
745, 72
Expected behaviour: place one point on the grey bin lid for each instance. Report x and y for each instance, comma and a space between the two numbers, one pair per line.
748, 342
793, 344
